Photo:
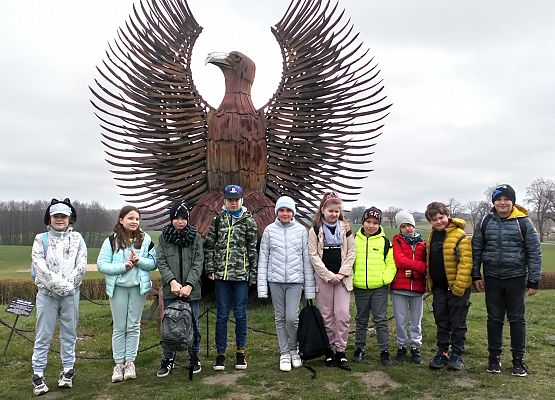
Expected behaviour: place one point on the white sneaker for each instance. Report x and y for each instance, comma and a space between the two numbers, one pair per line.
129, 371
117, 375
66, 379
39, 385
285, 362
296, 361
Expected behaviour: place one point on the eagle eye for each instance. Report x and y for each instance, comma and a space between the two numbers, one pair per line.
236, 58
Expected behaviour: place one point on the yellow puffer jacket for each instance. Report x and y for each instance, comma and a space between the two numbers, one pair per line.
457, 257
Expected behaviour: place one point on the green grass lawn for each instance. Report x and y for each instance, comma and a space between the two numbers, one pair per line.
262, 379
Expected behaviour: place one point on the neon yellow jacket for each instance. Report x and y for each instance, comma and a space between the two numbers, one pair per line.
371, 270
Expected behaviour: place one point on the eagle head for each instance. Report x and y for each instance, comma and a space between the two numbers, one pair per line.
238, 70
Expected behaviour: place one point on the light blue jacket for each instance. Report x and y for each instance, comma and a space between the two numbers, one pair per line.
113, 264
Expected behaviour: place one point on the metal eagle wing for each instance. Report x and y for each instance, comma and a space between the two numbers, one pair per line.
327, 110
154, 121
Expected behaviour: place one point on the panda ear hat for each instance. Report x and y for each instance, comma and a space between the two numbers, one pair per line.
63, 205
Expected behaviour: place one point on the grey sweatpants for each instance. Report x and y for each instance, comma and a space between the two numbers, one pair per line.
285, 299
402, 306
49, 308
376, 301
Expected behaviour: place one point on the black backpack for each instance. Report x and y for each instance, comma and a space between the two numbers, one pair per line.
311, 334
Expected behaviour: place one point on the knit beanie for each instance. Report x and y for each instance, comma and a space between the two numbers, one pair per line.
179, 209
372, 212
504, 190
286, 202
404, 217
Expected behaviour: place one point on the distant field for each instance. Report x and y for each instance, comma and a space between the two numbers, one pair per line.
15, 261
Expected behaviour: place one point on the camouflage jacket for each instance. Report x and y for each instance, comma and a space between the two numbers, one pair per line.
231, 253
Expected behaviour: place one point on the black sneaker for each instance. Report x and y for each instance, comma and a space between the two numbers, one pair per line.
440, 360
166, 367
66, 379
494, 364
455, 362
39, 385
385, 358
519, 368
358, 356
219, 365
341, 361
240, 360
401, 355
416, 356
329, 359
196, 367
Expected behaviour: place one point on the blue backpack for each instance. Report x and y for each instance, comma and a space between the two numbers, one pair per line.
44, 237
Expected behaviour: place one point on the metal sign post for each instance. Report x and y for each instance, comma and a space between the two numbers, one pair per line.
18, 307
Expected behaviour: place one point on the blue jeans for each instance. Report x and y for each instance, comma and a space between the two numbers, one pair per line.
195, 348
230, 293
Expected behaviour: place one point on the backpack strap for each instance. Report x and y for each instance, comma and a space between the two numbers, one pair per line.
316, 229
45, 243
484, 223
386, 247
112, 239
216, 229
457, 251
522, 228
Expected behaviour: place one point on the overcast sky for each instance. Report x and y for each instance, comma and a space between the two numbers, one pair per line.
472, 85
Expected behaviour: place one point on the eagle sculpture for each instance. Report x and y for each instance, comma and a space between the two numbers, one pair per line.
166, 142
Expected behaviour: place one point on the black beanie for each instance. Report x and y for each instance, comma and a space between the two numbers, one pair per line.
372, 212
504, 190
179, 209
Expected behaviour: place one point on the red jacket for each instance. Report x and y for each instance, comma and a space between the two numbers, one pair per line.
408, 259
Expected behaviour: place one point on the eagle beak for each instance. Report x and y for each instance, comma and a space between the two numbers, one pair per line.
219, 59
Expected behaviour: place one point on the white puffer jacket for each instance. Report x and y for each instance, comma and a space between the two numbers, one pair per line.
283, 258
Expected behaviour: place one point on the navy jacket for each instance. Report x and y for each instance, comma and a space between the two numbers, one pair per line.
505, 251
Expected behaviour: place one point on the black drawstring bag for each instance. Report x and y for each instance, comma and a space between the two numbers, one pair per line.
311, 335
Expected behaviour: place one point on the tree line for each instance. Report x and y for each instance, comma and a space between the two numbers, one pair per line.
20, 221
539, 200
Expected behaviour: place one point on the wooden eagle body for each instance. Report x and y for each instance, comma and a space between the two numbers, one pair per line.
166, 143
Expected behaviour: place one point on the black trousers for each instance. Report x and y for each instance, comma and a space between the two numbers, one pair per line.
506, 296
450, 313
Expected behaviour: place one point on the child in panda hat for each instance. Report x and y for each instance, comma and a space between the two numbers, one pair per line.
59, 262
284, 268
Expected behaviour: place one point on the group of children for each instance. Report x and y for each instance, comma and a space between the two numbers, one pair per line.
327, 262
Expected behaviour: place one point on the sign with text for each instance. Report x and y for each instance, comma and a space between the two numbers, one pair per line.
20, 307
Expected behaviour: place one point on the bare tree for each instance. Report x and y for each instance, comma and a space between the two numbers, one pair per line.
488, 193
390, 215
541, 195
356, 214
456, 207
477, 210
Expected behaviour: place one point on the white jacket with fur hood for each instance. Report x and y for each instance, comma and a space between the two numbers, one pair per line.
283, 258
